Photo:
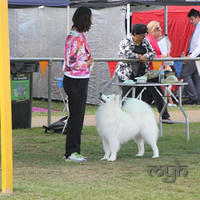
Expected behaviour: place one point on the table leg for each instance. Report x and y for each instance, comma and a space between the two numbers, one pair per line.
179, 102
163, 109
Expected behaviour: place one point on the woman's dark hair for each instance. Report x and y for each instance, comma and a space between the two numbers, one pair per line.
194, 13
82, 19
139, 29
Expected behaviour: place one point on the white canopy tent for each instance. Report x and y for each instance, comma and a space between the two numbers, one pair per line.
41, 31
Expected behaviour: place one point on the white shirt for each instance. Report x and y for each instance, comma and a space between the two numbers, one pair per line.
194, 48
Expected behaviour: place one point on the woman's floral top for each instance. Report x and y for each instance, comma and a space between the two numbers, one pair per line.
77, 52
127, 47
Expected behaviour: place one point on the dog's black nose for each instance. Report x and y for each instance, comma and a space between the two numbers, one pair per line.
100, 94
101, 97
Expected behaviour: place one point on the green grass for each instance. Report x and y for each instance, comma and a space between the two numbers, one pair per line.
40, 172
58, 106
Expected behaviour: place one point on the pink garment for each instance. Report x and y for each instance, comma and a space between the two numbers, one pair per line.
77, 52
154, 44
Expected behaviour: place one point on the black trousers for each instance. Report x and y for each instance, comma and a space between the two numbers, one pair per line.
150, 93
190, 74
76, 90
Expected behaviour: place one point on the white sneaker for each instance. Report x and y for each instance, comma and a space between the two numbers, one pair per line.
171, 105
76, 157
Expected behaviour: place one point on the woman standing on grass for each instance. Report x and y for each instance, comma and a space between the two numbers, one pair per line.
77, 70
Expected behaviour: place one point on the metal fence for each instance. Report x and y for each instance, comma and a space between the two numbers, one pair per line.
51, 60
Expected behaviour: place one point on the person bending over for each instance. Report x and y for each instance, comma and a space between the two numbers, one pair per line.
137, 46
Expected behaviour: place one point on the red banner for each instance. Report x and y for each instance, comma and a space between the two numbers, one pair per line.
112, 67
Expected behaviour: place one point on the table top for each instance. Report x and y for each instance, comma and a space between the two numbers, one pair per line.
150, 84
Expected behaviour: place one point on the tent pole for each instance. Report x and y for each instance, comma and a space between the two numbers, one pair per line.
68, 14
5, 104
128, 20
165, 20
49, 91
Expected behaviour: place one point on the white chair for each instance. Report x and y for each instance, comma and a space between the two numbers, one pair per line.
59, 81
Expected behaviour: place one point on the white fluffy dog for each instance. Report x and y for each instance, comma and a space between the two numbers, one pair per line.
116, 125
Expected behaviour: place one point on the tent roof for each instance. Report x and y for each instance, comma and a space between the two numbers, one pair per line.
58, 3
171, 9
167, 2
98, 3
64, 3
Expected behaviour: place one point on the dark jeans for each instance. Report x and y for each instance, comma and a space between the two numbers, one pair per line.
150, 93
76, 90
190, 74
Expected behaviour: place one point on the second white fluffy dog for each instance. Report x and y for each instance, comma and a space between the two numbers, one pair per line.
116, 125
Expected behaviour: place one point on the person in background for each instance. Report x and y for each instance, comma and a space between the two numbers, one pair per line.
154, 33
137, 46
78, 63
189, 72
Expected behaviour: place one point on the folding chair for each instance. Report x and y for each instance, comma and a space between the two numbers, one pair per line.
64, 97
177, 67
59, 81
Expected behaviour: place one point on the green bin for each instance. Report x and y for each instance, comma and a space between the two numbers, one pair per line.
21, 92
